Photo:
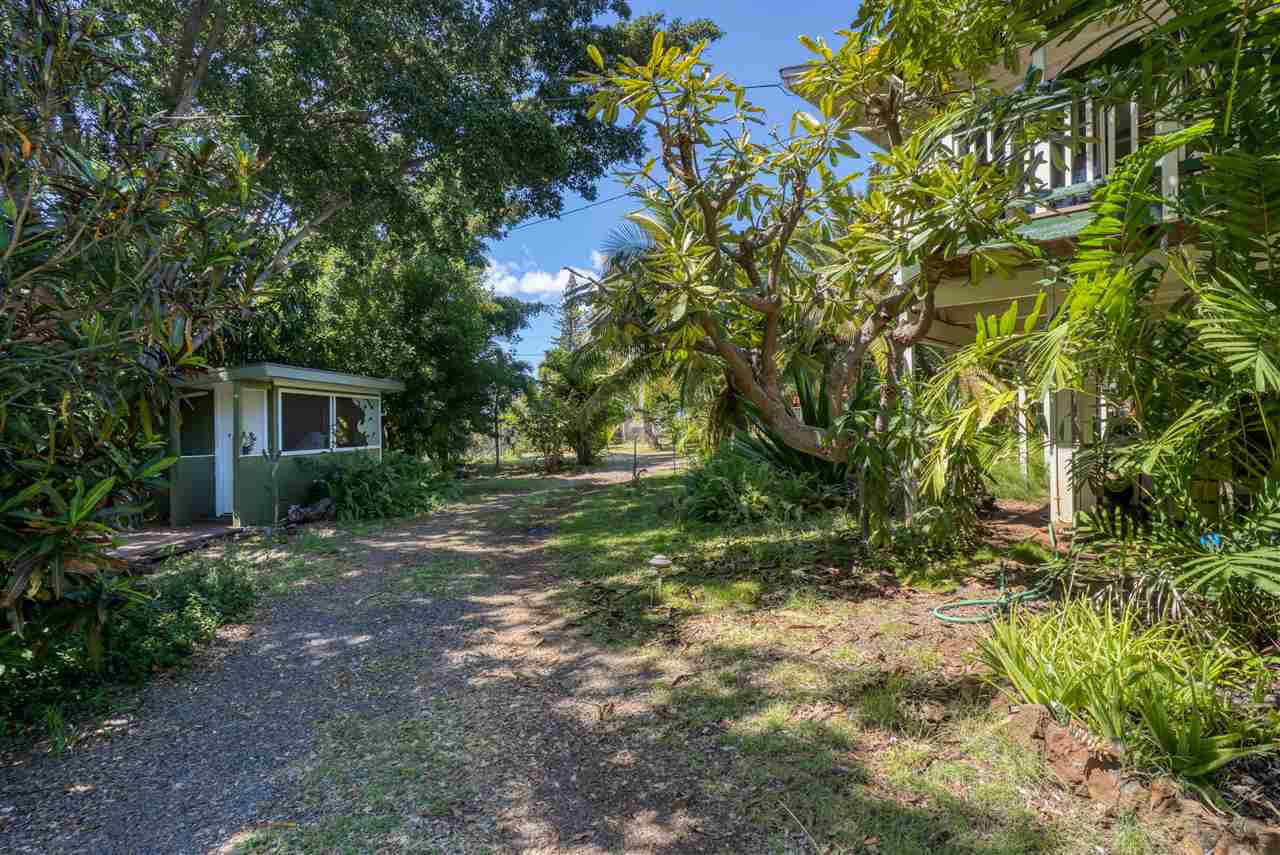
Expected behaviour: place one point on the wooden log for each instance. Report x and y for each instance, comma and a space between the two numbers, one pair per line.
325, 509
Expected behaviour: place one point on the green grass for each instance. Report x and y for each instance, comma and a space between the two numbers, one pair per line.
838, 714
1009, 483
1029, 552
450, 577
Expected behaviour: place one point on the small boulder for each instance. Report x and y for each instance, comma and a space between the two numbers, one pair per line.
1026, 723
1087, 770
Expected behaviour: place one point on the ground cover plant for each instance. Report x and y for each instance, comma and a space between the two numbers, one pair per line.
169, 615
370, 487
1163, 698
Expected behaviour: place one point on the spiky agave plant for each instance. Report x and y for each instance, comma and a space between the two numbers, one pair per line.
760, 443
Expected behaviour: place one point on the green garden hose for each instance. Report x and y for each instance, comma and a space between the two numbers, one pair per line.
995, 607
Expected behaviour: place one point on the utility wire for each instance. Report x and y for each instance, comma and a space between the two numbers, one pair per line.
568, 212
562, 100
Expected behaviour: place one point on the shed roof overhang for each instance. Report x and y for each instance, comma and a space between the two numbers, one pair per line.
305, 378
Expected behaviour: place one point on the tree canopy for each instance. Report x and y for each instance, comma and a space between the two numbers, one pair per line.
385, 119
428, 321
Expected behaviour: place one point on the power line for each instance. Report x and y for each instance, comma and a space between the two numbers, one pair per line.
568, 212
569, 99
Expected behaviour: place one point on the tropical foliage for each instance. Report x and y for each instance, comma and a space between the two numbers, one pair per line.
1169, 700
761, 253
122, 240
1168, 312
428, 321
173, 192
370, 487
182, 605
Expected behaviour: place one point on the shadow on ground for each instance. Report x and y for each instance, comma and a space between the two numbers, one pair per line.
420, 688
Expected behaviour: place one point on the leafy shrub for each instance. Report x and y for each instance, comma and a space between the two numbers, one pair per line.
1166, 700
181, 608
194, 596
733, 487
542, 421
88, 359
1183, 564
367, 487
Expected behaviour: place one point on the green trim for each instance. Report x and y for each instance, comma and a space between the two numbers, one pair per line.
1084, 188
1040, 230
1045, 229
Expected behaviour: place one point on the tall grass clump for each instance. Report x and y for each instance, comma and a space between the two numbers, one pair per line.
1165, 699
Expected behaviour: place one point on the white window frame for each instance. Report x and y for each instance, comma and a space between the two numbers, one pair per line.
264, 440
333, 421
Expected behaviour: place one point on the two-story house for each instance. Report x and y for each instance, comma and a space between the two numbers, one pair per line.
1067, 172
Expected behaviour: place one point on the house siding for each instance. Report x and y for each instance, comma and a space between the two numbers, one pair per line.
293, 477
193, 491
191, 495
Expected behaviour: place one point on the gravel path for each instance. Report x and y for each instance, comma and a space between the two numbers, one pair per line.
218, 751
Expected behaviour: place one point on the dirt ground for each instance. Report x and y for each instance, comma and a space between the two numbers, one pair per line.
421, 688
211, 756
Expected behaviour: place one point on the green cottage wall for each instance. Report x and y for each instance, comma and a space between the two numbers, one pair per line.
191, 493
252, 483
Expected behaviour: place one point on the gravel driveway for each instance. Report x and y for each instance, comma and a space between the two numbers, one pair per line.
253, 738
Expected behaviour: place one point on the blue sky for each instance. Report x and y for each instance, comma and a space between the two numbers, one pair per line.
760, 37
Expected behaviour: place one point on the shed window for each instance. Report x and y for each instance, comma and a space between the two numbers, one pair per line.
304, 421
355, 422
195, 421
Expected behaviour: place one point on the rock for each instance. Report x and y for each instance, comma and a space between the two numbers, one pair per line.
1065, 755
933, 713
1132, 798
1026, 723
1085, 770
325, 509
1229, 844
1163, 797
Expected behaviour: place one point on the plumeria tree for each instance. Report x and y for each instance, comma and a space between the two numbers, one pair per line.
766, 250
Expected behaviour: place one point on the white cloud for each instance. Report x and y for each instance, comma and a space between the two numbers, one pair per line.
513, 279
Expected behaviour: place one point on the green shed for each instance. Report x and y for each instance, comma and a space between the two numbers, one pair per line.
222, 423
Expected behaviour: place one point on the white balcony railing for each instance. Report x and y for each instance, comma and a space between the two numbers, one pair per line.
1067, 170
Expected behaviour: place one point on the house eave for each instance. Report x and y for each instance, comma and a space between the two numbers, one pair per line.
293, 375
